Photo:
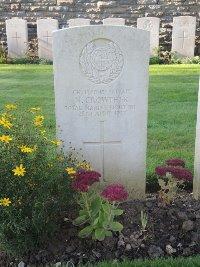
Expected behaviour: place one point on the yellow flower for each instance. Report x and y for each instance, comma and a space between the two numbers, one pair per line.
5, 202
19, 171
43, 132
57, 143
60, 158
35, 109
84, 165
5, 123
39, 118
70, 170
10, 107
38, 121
26, 149
6, 115
5, 138
50, 165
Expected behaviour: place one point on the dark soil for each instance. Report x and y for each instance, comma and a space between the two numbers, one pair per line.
171, 231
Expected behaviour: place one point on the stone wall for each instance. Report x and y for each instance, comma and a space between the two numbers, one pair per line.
96, 10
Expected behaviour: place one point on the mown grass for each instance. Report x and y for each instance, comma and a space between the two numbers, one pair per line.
179, 262
171, 262
172, 106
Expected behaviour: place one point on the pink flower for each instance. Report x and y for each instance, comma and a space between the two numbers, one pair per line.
181, 174
176, 172
176, 162
115, 192
84, 179
78, 186
161, 170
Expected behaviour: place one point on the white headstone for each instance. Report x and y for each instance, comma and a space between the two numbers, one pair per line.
183, 36
114, 21
17, 37
45, 28
78, 22
101, 91
152, 25
196, 181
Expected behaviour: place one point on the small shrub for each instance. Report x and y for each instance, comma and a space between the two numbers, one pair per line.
98, 211
3, 55
186, 60
173, 176
44, 61
155, 60
35, 187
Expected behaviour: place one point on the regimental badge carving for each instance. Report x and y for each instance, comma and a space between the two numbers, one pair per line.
101, 61
148, 25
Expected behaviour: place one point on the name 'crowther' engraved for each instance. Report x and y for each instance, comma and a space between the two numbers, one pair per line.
101, 61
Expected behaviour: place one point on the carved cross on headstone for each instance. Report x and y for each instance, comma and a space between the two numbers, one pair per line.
183, 37
102, 142
47, 37
16, 37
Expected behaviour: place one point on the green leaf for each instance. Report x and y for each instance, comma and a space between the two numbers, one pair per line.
106, 207
85, 232
116, 226
80, 220
100, 234
109, 233
117, 212
96, 205
83, 212
95, 222
103, 219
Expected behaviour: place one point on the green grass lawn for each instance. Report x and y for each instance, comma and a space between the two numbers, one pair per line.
171, 262
179, 262
172, 105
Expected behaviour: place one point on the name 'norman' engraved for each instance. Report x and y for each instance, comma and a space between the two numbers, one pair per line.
101, 61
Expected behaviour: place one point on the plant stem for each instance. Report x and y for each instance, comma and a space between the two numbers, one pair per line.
111, 214
85, 199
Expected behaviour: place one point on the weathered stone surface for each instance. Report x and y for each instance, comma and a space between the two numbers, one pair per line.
65, 1
17, 37
78, 22
196, 181
183, 36
153, 26
96, 11
103, 100
45, 28
147, 2
114, 21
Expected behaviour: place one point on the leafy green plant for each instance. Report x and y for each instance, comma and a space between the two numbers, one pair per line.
173, 176
35, 187
186, 60
3, 55
97, 211
144, 220
166, 57
155, 60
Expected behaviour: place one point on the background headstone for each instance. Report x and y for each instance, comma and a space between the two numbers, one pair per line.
183, 35
114, 21
78, 22
152, 25
45, 28
101, 91
17, 37
196, 181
